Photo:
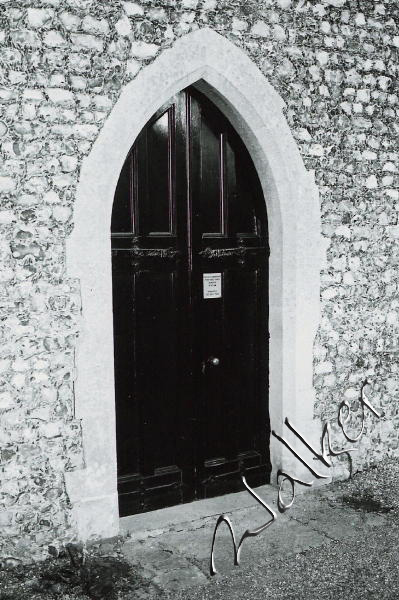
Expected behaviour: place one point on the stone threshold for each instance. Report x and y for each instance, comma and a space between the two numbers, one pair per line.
143, 525
148, 524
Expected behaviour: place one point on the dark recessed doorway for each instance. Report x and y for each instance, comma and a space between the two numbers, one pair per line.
190, 276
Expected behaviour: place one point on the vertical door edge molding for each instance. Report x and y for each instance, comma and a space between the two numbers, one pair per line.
237, 86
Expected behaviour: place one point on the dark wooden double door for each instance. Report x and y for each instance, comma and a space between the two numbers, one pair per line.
189, 259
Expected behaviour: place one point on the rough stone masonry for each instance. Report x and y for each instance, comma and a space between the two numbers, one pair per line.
63, 65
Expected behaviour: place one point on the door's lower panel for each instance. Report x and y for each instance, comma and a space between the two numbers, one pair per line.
139, 493
224, 477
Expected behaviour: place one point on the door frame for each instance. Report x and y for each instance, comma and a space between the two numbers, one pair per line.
233, 82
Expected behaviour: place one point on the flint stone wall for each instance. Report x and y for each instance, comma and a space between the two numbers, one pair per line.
64, 63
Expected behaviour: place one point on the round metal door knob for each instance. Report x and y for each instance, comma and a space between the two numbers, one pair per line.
214, 361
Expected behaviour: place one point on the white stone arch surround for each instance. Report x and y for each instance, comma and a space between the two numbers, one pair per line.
227, 75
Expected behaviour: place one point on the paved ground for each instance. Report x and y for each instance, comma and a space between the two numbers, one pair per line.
340, 541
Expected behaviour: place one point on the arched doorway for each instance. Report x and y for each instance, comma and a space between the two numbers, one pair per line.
189, 256
297, 252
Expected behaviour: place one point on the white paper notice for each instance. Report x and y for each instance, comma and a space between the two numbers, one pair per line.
212, 285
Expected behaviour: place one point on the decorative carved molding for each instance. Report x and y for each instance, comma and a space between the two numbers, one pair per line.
227, 252
154, 252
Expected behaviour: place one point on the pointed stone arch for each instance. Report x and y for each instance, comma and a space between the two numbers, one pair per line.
227, 75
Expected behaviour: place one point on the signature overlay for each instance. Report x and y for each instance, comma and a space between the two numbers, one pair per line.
327, 450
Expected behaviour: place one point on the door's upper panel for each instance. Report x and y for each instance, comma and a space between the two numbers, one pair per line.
155, 168
217, 194
122, 213
211, 157
227, 198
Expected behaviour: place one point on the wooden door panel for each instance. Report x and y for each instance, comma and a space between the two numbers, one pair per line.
147, 365
214, 411
138, 493
211, 208
243, 338
122, 212
234, 425
240, 190
157, 364
128, 422
148, 375
155, 165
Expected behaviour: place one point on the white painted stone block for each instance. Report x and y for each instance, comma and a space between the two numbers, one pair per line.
7, 184
144, 50
132, 9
